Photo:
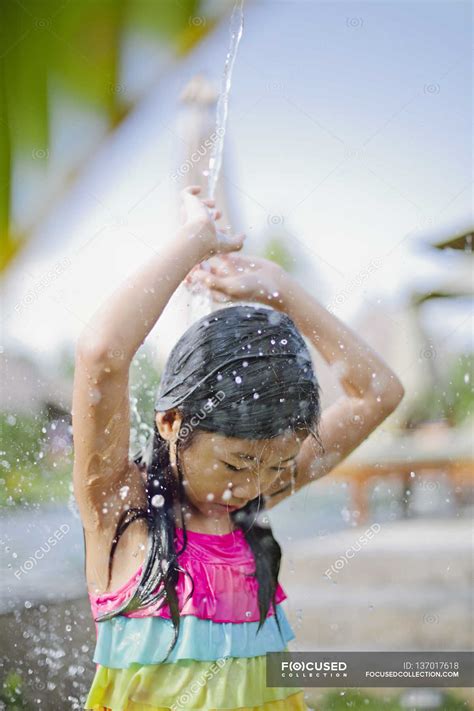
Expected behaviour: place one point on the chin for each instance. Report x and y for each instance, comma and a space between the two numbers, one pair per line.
218, 509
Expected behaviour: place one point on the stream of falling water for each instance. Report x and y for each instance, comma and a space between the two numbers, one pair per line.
236, 29
201, 301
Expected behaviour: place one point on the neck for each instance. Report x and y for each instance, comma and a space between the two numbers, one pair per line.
195, 520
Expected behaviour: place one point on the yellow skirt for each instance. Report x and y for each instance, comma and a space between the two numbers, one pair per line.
230, 684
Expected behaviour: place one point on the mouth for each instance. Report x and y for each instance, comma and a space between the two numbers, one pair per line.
230, 508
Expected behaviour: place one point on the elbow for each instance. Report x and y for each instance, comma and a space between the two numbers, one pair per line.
91, 349
394, 395
97, 352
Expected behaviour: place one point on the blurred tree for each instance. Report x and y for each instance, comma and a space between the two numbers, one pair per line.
74, 51
276, 249
11, 694
29, 471
452, 398
144, 381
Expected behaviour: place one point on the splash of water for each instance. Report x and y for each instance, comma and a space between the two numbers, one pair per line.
236, 29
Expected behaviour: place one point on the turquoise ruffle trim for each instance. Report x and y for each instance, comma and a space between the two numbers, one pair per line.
123, 641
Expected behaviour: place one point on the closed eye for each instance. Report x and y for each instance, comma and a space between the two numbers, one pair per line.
284, 465
234, 469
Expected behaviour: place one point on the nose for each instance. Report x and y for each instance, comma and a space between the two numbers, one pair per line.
246, 492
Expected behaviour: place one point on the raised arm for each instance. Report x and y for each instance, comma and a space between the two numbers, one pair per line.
372, 390
104, 352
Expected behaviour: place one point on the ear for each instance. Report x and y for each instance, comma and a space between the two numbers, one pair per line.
169, 423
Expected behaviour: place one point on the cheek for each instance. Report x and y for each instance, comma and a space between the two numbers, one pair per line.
200, 476
269, 479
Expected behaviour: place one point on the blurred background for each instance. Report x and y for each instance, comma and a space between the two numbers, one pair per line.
347, 160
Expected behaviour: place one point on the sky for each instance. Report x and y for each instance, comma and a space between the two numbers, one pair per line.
349, 125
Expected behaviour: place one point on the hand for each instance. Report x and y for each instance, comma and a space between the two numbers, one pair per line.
235, 277
200, 224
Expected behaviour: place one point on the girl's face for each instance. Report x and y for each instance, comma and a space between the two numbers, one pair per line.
222, 474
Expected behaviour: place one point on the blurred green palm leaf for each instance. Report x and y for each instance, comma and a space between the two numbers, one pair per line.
75, 47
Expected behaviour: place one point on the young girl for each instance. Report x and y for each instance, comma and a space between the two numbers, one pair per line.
181, 564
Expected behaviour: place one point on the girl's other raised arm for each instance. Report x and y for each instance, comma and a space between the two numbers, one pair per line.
372, 390
104, 352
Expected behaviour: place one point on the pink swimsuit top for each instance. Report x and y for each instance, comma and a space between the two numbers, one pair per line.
225, 590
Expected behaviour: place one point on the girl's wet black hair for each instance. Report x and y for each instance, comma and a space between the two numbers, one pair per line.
242, 371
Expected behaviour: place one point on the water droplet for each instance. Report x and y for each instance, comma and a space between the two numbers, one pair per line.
157, 501
256, 396
124, 492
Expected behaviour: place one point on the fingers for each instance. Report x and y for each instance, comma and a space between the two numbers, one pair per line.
224, 262
235, 261
222, 285
219, 266
230, 244
191, 196
232, 263
220, 297
195, 190
191, 190
208, 279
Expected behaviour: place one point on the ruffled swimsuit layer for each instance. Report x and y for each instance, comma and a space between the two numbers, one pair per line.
219, 660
